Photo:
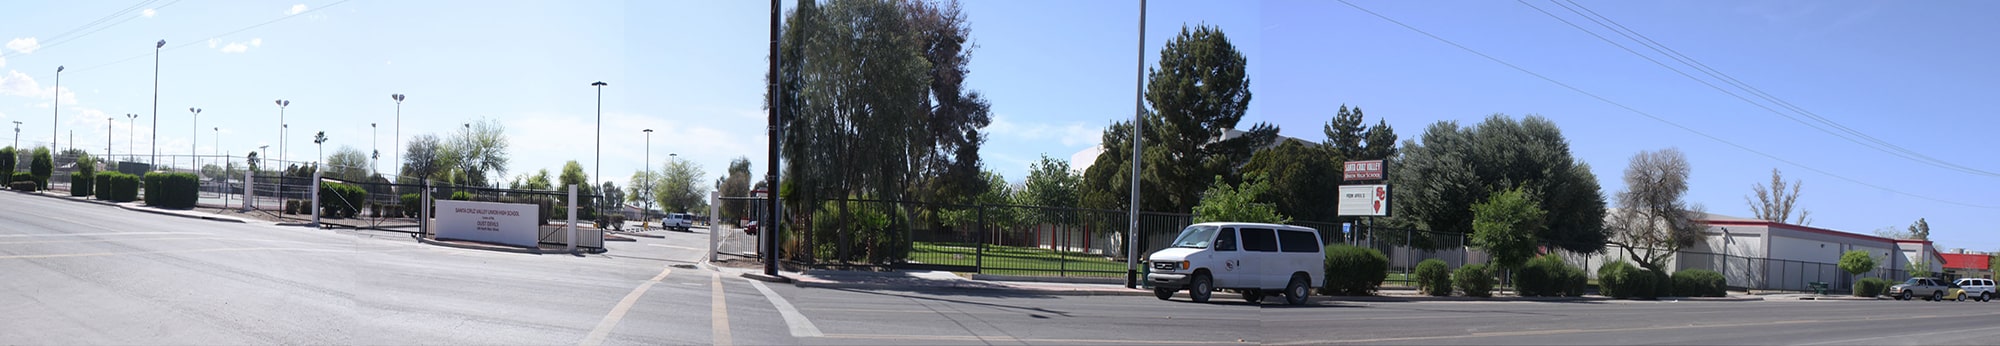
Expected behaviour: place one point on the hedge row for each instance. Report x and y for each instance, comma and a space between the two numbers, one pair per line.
1549, 276
1434, 277
337, 200
1700, 283
1619, 279
117, 187
172, 190
1475, 279
1353, 270
1870, 287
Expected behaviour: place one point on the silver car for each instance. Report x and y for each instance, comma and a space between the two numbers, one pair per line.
1932, 289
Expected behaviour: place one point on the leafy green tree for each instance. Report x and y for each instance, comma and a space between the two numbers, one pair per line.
479, 151
1505, 226
1920, 230
1303, 178
1775, 204
1198, 93
679, 188
1920, 268
736, 184
8, 159
539, 181
639, 190
855, 108
572, 174
1051, 183
1654, 221
1440, 175
424, 158
1222, 202
42, 167
946, 154
1855, 262
1348, 137
347, 163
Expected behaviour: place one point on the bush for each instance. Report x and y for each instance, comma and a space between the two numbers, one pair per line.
1545, 276
79, 184
42, 167
1700, 283
337, 200
1575, 282
874, 232
102, 182
410, 202
292, 207
1608, 277
461, 196
23, 185
1619, 279
1434, 277
124, 187
1870, 287
1353, 270
172, 190
8, 159
1474, 279
21, 177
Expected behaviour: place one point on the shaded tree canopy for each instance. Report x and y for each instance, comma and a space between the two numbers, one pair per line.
1303, 178
1654, 222
1442, 173
736, 184
1197, 95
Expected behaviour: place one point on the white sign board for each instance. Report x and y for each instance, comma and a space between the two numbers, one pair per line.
500, 223
1364, 200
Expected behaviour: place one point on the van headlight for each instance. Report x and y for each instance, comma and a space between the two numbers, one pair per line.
1184, 265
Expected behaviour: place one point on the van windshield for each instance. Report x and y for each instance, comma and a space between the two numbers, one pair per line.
1197, 237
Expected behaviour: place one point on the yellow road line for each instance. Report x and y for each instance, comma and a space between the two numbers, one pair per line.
610, 320
719, 311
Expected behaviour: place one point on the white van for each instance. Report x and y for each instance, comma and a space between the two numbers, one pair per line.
1254, 259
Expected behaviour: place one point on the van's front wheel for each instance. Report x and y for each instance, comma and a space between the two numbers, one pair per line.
1296, 291
1201, 288
1163, 293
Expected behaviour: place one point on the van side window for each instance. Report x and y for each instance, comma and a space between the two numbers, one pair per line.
1259, 240
1298, 241
1226, 240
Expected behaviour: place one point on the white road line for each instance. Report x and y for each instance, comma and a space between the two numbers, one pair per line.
719, 311
610, 320
96, 234
801, 327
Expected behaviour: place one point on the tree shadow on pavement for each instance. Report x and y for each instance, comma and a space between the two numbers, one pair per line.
927, 294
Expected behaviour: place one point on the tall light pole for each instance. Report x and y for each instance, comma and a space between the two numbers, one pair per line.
55, 120
598, 166
398, 146
194, 133
156, 101
17, 135
218, 142
281, 130
649, 180
373, 154
1138, 122
107, 136
131, 135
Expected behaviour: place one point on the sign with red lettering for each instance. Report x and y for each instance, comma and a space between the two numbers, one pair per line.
1363, 200
1362, 170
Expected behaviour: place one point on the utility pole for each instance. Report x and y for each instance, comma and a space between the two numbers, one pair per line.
770, 244
1138, 137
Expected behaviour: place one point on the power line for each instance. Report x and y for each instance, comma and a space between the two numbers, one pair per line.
1649, 115
232, 32
1845, 133
60, 40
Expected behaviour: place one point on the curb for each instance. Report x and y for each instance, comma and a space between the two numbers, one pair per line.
137, 209
506, 249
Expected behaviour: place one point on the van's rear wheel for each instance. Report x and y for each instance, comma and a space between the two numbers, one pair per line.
1163, 293
1201, 288
1296, 291
1253, 296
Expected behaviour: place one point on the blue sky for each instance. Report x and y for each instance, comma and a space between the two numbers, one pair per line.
1911, 74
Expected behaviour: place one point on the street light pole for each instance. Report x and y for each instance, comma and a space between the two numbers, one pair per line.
373, 154
1138, 123
598, 166
131, 135
282, 126
398, 146
17, 135
55, 120
107, 136
194, 133
156, 101
643, 214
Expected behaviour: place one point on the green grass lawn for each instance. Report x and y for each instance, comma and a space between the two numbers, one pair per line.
1016, 260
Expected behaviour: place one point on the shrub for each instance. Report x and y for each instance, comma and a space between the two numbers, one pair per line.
339, 200
79, 184
124, 187
1621, 280
1575, 282
172, 190
1353, 270
21, 177
42, 167
8, 158
1434, 277
873, 229
1870, 287
1609, 276
1475, 279
1545, 276
1700, 283
410, 202
461, 196
23, 185
102, 182
291, 207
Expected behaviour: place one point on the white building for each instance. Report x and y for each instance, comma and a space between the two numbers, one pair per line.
1761, 254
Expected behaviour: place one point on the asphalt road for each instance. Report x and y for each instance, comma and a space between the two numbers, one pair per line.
78, 273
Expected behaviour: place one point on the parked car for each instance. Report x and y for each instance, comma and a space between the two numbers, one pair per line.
678, 221
1928, 288
750, 228
1254, 259
1976, 289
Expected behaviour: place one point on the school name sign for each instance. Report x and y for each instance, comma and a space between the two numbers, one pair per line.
501, 223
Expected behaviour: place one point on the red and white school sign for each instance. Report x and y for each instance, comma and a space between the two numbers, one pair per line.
1364, 200
1361, 170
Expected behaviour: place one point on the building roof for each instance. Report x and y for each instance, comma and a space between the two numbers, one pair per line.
1969, 261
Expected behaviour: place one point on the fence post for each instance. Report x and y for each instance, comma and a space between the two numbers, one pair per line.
315, 197
249, 188
572, 220
979, 246
423, 210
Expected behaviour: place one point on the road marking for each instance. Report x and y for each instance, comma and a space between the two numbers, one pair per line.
99, 254
92, 234
610, 320
800, 326
1557, 331
719, 311
677, 247
1013, 339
